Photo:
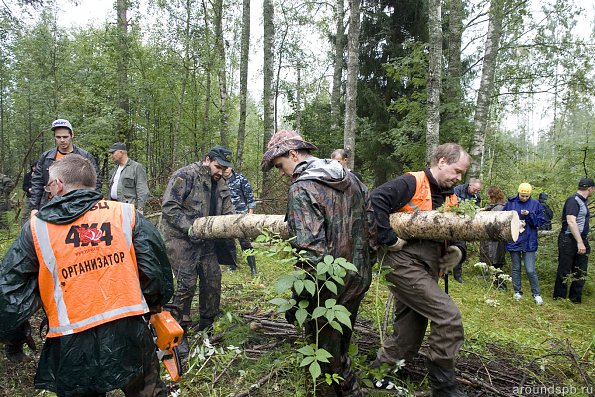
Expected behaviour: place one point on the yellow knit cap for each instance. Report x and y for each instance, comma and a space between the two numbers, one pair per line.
525, 188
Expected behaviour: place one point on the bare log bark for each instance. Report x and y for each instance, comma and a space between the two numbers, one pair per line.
424, 225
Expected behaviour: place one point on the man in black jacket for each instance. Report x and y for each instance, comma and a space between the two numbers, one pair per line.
97, 268
63, 134
547, 211
415, 267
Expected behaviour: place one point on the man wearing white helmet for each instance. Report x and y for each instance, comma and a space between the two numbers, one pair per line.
63, 135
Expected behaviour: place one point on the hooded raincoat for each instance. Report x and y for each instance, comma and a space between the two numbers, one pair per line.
327, 213
103, 358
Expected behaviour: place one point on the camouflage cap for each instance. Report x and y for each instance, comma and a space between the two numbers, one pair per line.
282, 142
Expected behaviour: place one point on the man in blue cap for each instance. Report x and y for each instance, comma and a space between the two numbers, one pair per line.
195, 191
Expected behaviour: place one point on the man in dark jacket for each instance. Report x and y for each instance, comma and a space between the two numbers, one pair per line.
573, 244
242, 198
524, 249
326, 213
547, 212
470, 191
63, 134
195, 191
97, 267
416, 265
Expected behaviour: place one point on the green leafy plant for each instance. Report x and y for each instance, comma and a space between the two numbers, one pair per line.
570, 278
492, 276
308, 281
464, 207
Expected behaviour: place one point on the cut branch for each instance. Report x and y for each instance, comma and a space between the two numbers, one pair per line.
424, 225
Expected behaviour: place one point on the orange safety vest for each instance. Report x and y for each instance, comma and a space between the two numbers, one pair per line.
422, 199
88, 273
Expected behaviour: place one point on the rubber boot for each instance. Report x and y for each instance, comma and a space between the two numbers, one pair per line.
206, 324
457, 273
252, 263
14, 353
443, 381
349, 387
182, 316
184, 346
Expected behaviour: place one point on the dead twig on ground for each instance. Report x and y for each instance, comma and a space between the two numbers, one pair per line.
257, 385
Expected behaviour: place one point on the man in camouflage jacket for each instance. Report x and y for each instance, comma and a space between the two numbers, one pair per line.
194, 191
6, 186
327, 215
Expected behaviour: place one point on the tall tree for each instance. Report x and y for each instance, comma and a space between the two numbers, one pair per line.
338, 64
222, 75
244, 58
268, 99
123, 120
267, 72
482, 106
454, 115
352, 75
434, 77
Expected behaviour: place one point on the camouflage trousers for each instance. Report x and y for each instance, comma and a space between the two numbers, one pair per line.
333, 341
194, 262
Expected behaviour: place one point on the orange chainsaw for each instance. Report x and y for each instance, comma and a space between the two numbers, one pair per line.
167, 334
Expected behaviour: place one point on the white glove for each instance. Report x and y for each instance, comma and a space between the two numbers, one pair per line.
398, 246
450, 259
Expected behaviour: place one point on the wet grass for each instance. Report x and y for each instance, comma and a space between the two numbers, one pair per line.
522, 328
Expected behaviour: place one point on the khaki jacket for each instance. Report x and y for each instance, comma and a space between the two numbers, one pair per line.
132, 186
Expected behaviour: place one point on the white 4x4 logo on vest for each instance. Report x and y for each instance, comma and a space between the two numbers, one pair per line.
83, 235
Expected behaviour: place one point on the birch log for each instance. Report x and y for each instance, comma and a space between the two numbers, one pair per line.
424, 225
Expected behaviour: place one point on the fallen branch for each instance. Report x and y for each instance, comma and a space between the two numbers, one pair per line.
477, 382
225, 369
257, 385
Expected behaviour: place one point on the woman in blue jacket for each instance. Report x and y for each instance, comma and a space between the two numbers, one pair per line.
531, 214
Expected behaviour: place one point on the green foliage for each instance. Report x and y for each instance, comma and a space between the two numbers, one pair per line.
464, 207
307, 285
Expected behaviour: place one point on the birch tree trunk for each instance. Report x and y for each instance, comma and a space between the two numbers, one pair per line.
352, 74
482, 107
267, 70
298, 99
222, 76
338, 67
244, 57
434, 77
123, 124
424, 225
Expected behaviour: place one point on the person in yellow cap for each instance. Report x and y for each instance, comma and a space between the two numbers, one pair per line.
523, 250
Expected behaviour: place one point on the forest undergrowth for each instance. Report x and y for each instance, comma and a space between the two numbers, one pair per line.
511, 348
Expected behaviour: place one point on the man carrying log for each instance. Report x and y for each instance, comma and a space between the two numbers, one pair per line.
326, 213
195, 191
415, 266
